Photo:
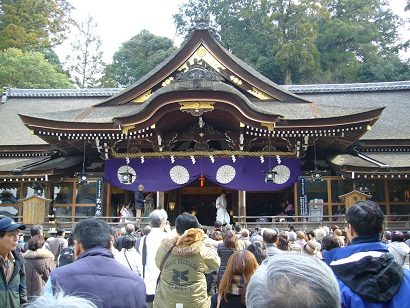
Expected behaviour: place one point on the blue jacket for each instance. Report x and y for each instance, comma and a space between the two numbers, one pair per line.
97, 276
368, 276
139, 200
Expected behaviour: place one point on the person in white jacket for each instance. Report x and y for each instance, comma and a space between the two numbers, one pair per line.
152, 241
398, 248
129, 256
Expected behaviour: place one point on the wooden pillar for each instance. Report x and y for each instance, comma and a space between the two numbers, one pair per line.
242, 206
160, 199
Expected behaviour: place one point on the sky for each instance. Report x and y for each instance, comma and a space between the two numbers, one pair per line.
118, 21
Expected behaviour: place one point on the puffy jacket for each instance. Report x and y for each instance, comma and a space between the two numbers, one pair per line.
399, 250
368, 276
14, 294
38, 262
97, 276
182, 279
224, 253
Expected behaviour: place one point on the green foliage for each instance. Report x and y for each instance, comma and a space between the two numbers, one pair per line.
33, 24
85, 63
301, 41
29, 70
390, 68
138, 56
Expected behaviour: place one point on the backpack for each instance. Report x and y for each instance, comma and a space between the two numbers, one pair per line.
66, 256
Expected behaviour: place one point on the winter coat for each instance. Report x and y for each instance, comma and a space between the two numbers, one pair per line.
224, 253
232, 301
38, 262
399, 250
97, 276
139, 200
182, 279
131, 259
368, 276
14, 294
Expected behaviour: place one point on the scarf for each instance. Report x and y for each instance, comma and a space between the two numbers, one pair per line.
237, 285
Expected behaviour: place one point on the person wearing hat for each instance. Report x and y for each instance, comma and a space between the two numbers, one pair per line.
13, 291
221, 204
139, 201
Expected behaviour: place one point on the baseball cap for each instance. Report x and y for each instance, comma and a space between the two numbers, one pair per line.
8, 224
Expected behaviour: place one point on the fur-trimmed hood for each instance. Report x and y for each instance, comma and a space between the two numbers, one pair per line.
187, 244
40, 253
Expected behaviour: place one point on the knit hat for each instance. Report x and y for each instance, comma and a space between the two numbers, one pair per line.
310, 248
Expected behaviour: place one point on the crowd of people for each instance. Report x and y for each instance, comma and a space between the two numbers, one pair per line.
199, 266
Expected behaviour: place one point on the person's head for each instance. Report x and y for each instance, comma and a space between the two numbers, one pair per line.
311, 235
61, 300
387, 236
129, 228
290, 280
283, 241
140, 187
245, 233
330, 242
237, 228
36, 230
223, 192
228, 227
230, 240
397, 236
338, 232
310, 248
365, 218
291, 228
158, 218
217, 224
300, 235
36, 242
9, 235
60, 232
257, 251
320, 233
241, 263
205, 229
291, 236
216, 235
146, 230
186, 221
89, 233
128, 241
270, 236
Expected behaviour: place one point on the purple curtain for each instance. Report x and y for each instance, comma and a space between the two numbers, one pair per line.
161, 174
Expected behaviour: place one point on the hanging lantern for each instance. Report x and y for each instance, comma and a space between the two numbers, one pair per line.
201, 180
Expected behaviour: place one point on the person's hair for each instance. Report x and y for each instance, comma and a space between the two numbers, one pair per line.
113, 232
217, 224
338, 232
128, 241
334, 227
157, 218
387, 235
245, 233
310, 234
290, 280
61, 300
310, 248
270, 236
216, 235
92, 232
397, 236
185, 221
70, 240
129, 228
60, 232
228, 227
330, 242
291, 236
257, 251
146, 230
301, 235
241, 263
366, 218
36, 242
36, 229
237, 228
283, 241
205, 229
320, 233
230, 240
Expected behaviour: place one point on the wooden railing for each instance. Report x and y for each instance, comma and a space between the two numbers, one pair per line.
306, 223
